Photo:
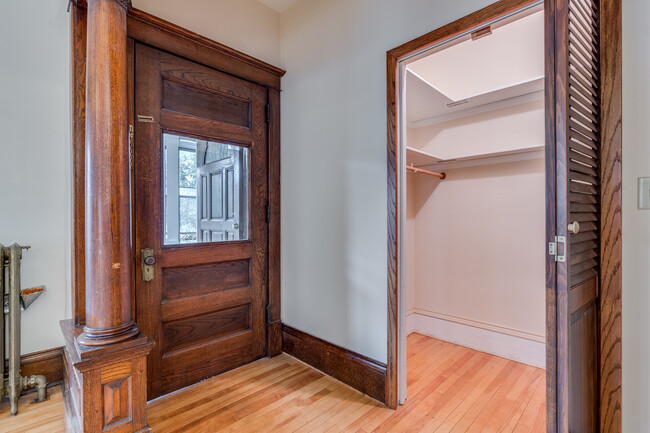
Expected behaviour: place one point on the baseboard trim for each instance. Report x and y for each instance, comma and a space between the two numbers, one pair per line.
516, 348
482, 325
49, 363
356, 370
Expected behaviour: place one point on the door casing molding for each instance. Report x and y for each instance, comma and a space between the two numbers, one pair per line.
610, 299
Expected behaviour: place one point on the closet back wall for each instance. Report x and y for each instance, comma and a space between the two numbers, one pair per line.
475, 243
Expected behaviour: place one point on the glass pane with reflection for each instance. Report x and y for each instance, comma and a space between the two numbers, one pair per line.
205, 191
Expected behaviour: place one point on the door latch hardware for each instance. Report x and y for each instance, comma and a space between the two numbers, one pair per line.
145, 119
148, 260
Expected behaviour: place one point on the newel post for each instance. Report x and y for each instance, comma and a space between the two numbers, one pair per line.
105, 361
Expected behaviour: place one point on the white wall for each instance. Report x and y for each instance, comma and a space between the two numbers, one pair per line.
334, 210
636, 223
35, 157
479, 246
245, 25
478, 257
498, 130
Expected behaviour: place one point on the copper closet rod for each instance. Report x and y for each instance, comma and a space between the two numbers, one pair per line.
430, 173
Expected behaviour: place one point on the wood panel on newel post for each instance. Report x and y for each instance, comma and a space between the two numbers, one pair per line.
105, 361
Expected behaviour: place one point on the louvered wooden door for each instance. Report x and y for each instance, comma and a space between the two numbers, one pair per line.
573, 135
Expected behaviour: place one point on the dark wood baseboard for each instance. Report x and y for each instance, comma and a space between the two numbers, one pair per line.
49, 363
358, 371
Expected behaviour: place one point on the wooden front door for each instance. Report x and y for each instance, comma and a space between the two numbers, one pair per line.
573, 219
201, 194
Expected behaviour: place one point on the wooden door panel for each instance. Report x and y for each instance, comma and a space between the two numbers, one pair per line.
200, 304
583, 367
201, 328
195, 280
172, 121
189, 100
205, 307
572, 366
200, 362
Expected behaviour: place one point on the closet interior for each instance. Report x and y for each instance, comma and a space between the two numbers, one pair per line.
474, 226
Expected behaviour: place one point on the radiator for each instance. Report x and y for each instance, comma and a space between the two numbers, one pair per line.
13, 301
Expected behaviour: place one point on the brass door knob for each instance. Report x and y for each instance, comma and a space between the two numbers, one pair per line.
149, 260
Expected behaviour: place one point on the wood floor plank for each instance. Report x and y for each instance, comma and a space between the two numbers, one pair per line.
497, 400
479, 392
451, 389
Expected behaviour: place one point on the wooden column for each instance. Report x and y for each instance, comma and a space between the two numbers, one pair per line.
105, 362
107, 200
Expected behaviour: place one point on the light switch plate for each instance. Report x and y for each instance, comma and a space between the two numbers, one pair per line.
644, 193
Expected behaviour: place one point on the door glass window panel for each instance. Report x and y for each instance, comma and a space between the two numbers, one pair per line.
206, 191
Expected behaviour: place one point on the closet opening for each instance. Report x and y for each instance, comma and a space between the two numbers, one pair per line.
471, 225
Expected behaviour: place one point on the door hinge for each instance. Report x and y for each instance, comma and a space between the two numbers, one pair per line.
554, 249
268, 113
268, 313
268, 213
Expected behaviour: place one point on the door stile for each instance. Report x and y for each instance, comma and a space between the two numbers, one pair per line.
551, 274
147, 94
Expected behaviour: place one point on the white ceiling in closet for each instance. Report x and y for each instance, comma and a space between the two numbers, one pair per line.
278, 5
502, 69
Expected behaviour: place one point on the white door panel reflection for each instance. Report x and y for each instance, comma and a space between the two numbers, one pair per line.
206, 191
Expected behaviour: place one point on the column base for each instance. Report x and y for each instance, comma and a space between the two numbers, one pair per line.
104, 337
105, 387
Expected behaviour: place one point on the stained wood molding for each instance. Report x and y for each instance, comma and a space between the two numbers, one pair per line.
611, 287
157, 32
358, 371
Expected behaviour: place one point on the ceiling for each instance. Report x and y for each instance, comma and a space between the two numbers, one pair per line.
471, 76
279, 5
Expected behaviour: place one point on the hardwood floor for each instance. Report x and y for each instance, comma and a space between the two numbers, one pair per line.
451, 389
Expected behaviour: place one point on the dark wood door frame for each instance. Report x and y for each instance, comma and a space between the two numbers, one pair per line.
610, 262
153, 31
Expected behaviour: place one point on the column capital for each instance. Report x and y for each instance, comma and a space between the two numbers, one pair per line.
126, 4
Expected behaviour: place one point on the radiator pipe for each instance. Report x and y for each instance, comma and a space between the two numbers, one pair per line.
3, 276
16, 383
15, 379
39, 382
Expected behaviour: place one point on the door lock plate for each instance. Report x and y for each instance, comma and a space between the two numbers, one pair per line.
148, 261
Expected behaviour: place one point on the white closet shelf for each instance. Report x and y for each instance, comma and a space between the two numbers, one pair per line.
419, 158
